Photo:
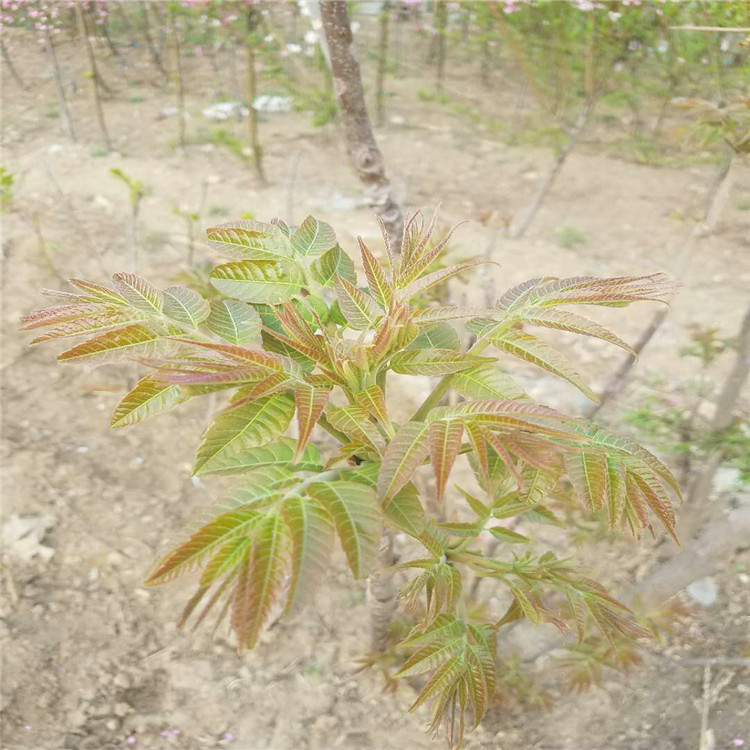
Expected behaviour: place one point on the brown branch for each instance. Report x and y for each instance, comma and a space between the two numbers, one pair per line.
704, 556
715, 202
521, 222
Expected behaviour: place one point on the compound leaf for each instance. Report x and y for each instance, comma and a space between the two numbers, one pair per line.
358, 519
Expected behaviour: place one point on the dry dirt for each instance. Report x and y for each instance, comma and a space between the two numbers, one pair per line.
92, 660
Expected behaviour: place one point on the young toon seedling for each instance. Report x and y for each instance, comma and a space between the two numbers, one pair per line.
294, 334
136, 194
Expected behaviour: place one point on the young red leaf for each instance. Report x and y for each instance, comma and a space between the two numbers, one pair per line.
444, 443
310, 403
403, 456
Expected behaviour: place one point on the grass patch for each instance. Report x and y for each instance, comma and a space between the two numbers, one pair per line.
569, 237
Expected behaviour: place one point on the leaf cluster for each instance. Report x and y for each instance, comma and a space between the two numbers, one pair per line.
293, 333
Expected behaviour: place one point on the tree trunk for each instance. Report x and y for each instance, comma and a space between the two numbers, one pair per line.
382, 63
441, 21
65, 121
253, 141
360, 141
700, 489
94, 75
148, 36
383, 595
178, 77
9, 64
485, 59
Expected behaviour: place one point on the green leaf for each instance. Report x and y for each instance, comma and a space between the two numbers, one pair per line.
562, 320
240, 429
358, 519
436, 277
278, 453
433, 654
358, 308
355, 424
101, 321
65, 314
617, 291
380, 288
263, 362
250, 240
185, 306
617, 444
149, 398
372, 399
234, 321
534, 350
334, 262
312, 532
587, 471
433, 362
437, 336
202, 544
132, 341
508, 535
138, 292
444, 627
258, 281
447, 312
405, 510
403, 456
313, 237
260, 486
98, 293
487, 382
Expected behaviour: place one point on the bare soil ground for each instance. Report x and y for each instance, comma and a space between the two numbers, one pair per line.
92, 660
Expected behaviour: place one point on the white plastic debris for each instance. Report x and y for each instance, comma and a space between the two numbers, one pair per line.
22, 537
225, 110
703, 591
268, 103
726, 479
